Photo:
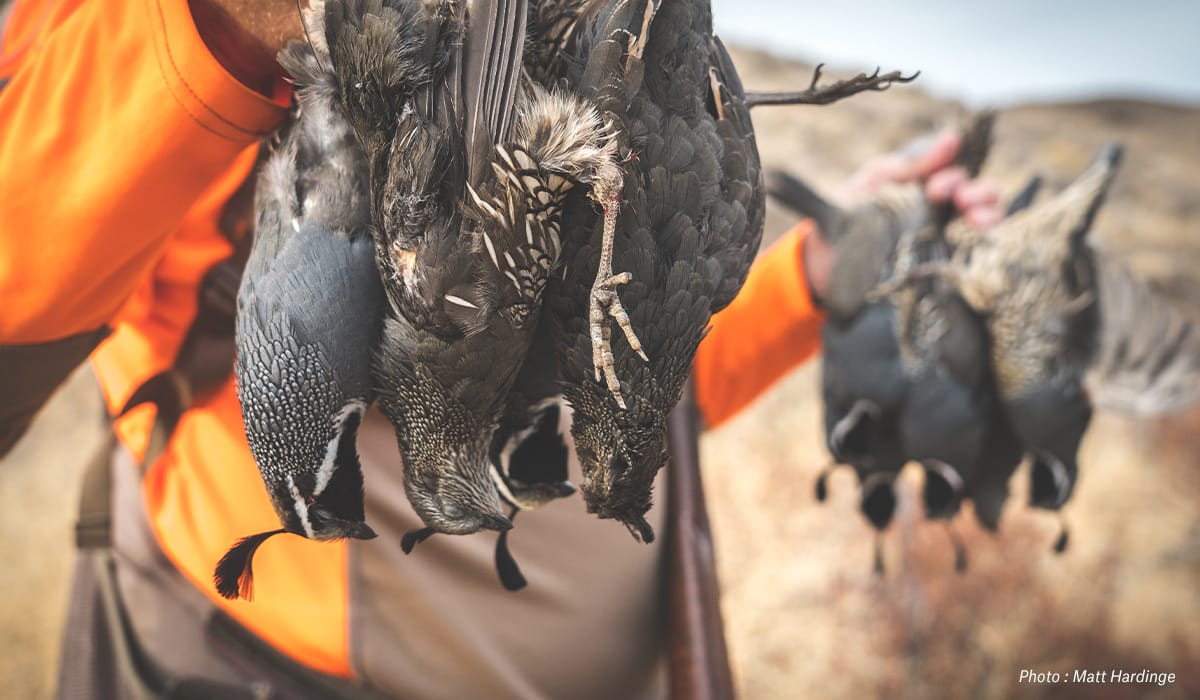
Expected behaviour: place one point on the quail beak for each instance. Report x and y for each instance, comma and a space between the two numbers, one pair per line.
640, 529
361, 531
497, 522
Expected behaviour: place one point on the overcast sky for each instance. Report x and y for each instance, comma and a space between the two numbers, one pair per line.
990, 53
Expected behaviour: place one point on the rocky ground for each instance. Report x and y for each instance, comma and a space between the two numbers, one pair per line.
806, 616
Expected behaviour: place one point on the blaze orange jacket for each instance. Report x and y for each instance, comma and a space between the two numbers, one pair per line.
121, 140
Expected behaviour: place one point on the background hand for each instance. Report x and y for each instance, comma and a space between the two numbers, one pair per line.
929, 160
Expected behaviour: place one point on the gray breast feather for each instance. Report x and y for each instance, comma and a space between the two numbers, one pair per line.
326, 288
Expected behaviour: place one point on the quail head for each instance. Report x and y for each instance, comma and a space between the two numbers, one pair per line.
308, 318
529, 452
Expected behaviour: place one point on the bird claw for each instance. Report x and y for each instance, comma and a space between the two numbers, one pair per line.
605, 304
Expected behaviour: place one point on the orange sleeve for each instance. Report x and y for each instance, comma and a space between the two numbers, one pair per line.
115, 120
769, 328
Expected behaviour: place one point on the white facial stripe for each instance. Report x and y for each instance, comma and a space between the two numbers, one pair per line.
502, 487
301, 507
325, 472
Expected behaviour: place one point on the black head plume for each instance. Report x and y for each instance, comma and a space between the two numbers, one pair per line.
943, 491
506, 566
822, 486
879, 568
853, 436
878, 500
640, 529
234, 575
1051, 482
1064, 537
415, 537
960, 550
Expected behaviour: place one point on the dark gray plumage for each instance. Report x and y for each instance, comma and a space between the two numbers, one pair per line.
864, 384
308, 319
689, 223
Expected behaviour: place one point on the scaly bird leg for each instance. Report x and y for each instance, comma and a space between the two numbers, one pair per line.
606, 189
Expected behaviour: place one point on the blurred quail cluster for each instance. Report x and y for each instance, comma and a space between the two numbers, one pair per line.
469, 197
970, 352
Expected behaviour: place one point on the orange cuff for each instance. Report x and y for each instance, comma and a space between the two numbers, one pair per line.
200, 84
771, 327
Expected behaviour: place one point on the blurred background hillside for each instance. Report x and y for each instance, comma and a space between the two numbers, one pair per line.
805, 615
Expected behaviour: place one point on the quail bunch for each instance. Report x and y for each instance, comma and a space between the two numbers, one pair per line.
488, 158
967, 351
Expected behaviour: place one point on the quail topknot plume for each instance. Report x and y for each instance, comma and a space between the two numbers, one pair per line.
307, 322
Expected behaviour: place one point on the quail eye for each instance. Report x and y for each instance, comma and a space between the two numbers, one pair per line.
452, 511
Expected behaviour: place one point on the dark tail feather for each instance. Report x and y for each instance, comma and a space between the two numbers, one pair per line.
976, 143
879, 568
972, 154
234, 575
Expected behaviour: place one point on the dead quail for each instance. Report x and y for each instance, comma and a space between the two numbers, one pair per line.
1072, 328
308, 319
688, 226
